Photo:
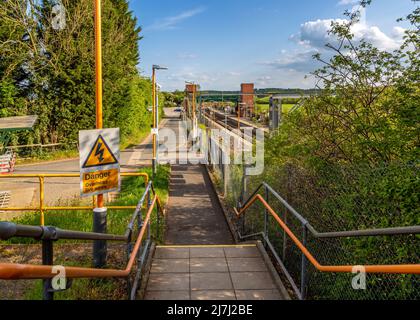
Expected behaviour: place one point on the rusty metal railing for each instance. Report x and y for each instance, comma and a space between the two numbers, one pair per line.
42, 208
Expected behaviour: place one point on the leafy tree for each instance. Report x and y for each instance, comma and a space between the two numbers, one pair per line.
173, 99
49, 71
367, 95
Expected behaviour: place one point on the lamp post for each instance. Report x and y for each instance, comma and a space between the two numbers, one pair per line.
155, 114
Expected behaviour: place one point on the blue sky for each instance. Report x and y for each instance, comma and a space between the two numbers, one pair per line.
222, 43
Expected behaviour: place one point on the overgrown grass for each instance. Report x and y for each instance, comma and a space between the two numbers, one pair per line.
134, 139
82, 289
264, 108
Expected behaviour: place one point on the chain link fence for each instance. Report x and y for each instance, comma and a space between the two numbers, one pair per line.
333, 199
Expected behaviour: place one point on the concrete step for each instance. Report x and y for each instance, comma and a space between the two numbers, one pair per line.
212, 272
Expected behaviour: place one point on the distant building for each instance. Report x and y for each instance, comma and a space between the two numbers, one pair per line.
191, 91
247, 99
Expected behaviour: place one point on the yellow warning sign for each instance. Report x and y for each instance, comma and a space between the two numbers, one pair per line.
100, 155
99, 181
99, 161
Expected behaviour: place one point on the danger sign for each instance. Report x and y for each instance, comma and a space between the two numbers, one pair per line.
99, 161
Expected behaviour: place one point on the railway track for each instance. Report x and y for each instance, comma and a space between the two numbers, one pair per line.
231, 123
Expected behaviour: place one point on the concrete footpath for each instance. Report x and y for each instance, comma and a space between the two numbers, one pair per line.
194, 215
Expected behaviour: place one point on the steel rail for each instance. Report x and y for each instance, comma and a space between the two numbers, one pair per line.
392, 269
10, 271
70, 208
10, 230
41, 208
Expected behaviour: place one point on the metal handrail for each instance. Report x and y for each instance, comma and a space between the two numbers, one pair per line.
10, 230
9, 271
42, 208
336, 234
395, 269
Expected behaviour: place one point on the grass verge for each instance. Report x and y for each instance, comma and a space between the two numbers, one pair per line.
49, 156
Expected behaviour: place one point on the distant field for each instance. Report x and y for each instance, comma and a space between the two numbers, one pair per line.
263, 108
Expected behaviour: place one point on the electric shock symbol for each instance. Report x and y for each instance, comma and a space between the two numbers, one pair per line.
100, 154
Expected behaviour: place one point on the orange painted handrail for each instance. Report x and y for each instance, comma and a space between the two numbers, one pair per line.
9, 271
397, 269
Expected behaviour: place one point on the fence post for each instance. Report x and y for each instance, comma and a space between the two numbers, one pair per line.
244, 194
48, 260
285, 237
266, 216
129, 249
304, 262
149, 203
288, 198
157, 222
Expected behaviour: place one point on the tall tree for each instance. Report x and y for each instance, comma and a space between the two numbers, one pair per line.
49, 70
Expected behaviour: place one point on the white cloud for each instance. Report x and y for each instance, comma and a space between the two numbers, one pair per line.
347, 2
264, 81
284, 79
171, 22
296, 60
293, 65
315, 34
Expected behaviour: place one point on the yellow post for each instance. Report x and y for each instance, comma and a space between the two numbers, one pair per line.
100, 212
41, 200
98, 69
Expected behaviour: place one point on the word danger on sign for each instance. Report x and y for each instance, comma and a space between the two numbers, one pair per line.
97, 181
